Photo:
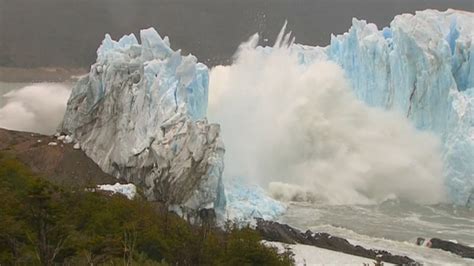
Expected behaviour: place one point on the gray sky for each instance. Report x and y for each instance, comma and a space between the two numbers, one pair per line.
68, 32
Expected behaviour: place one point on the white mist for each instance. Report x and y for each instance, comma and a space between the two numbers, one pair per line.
301, 132
36, 108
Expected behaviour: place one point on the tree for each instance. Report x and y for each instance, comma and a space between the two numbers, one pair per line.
44, 217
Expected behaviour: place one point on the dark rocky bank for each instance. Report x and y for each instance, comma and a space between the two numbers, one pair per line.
274, 231
60, 164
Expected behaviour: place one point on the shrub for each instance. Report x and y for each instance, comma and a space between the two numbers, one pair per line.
41, 223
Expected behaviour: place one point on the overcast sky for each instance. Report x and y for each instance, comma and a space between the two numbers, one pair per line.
68, 32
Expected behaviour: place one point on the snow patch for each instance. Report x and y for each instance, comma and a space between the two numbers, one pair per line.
128, 190
310, 255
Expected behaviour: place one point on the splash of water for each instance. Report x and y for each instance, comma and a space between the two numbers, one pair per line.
300, 131
35, 108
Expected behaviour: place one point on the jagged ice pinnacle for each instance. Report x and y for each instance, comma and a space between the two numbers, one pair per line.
140, 114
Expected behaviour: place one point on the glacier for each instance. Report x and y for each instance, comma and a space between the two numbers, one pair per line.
423, 67
140, 114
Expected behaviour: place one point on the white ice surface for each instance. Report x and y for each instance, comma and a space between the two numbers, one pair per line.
309, 255
128, 190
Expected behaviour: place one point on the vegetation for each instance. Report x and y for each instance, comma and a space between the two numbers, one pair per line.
43, 224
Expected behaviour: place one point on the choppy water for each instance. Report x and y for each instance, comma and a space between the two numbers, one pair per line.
392, 225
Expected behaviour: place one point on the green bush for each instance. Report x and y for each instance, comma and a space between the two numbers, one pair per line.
43, 224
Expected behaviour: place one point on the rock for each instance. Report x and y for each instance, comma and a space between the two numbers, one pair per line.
450, 246
273, 231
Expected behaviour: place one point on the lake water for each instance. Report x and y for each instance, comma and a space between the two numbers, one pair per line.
392, 225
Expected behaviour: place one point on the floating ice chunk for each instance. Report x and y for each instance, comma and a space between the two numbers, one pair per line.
246, 202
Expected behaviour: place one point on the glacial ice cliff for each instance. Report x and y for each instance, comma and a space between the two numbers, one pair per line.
422, 66
140, 114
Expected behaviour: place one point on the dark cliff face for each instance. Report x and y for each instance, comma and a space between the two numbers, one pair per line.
65, 33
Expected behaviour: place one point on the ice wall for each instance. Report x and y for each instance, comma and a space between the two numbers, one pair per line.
423, 67
296, 128
140, 114
141, 111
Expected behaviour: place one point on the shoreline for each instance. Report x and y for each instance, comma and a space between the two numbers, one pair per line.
41, 74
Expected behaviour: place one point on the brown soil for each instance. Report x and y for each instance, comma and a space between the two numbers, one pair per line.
60, 164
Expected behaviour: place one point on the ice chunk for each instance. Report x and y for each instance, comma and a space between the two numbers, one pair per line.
68, 139
140, 114
153, 47
246, 202
128, 190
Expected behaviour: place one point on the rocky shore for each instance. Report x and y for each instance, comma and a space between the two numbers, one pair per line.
274, 231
